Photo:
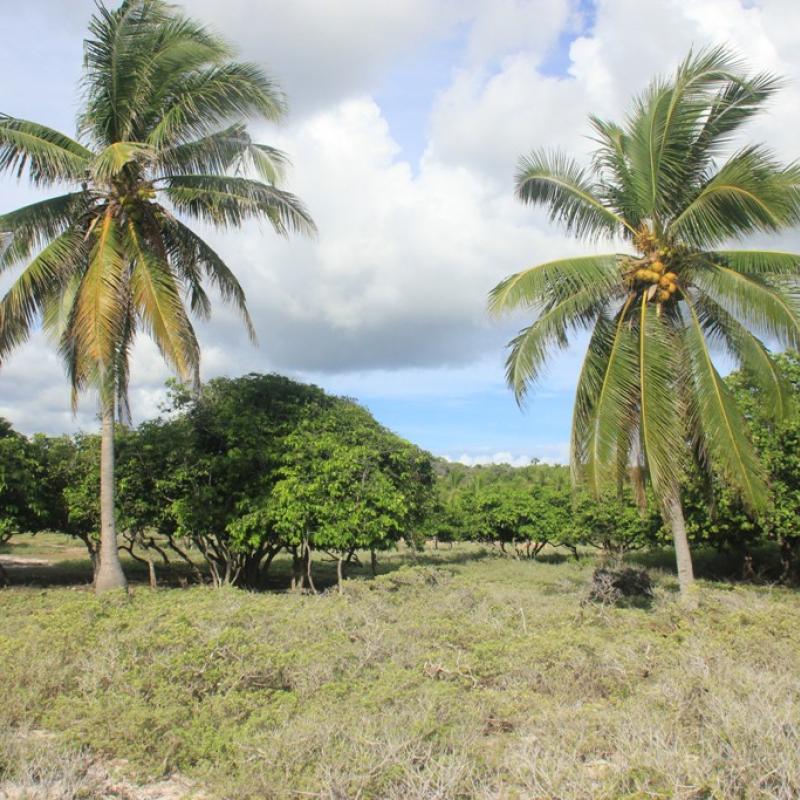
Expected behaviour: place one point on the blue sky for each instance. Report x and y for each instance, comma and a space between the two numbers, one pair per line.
407, 120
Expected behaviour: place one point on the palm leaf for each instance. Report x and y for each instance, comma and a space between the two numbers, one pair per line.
98, 314
530, 350
44, 278
31, 227
751, 192
554, 281
660, 412
753, 357
210, 97
607, 402
50, 156
617, 187
156, 298
758, 262
560, 185
225, 201
753, 300
724, 439
111, 161
222, 151
189, 250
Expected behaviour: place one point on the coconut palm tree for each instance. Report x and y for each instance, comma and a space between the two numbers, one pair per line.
667, 187
160, 139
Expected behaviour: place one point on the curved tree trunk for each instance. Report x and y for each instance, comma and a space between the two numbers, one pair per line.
674, 512
109, 574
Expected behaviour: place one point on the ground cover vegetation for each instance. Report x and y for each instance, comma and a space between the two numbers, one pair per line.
468, 675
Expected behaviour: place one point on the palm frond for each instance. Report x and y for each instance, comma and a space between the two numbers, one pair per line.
228, 201
157, 301
751, 192
606, 402
211, 97
114, 158
660, 412
189, 251
221, 152
43, 279
98, 311
560, 185
554, 281
738, 101
662, 130
753, 300
116, 55
122, 370
617, 186
31, 227
749, 352
530, 349
757, 262
50, 156
723, 439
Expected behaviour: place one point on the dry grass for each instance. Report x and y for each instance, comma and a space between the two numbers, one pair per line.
461, 677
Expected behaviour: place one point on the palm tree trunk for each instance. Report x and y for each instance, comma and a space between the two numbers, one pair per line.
109, 575
683, 556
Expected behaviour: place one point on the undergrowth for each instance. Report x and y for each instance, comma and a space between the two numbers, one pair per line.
452, 679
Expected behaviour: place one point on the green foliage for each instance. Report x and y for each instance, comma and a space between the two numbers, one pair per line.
21, 499
347, 483
257, 464
716, 515
615, 524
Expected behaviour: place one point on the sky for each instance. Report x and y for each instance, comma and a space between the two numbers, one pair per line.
407, 119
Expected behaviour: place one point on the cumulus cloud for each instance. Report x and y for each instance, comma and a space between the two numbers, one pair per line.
546, 454
390, 298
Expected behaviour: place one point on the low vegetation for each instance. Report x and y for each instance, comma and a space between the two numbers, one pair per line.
454, 674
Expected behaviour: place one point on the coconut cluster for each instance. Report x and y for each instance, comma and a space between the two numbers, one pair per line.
653, 269
657, 275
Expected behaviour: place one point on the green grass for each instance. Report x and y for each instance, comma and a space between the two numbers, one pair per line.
464, 676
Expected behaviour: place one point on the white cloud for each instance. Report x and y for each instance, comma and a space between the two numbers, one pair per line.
391, 296
545, 454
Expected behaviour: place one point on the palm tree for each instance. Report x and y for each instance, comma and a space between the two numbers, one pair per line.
160, 138
649, 394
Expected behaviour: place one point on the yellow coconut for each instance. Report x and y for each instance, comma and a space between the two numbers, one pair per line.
663, 295
672, 288
657, 266
671, 276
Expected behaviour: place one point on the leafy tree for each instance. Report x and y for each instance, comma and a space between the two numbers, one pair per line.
228, 444
160, 138
529, 517
649, 392
347, 483
614, 524
257, 464
21, 499
778, 443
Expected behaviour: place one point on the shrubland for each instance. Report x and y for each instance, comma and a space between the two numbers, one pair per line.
453, 674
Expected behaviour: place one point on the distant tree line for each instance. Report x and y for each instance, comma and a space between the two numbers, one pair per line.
228, 478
